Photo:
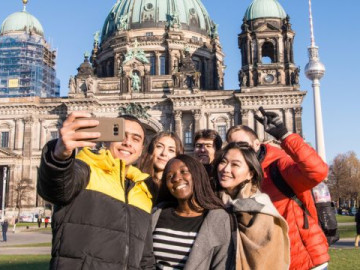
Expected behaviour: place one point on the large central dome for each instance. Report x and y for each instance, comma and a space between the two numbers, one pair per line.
133, 14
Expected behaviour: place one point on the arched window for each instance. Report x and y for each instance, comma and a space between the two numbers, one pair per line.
152, 61
162, 65
268, 53
5, 133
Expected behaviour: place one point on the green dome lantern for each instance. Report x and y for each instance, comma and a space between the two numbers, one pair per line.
133, 14
264, 9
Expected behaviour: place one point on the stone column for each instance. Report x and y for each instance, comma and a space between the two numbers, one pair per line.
11, 195
157, 63
43, 131
207, 120
170, 61
251, 119
260, 131
12, 136
19, 134
249, 53
178, 123
259, 60
27, 137
289, 122
197, 118
298, 120
245, 117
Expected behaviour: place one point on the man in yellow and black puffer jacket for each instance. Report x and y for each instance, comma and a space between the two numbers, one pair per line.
102, 204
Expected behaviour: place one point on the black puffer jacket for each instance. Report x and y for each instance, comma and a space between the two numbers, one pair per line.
92, 229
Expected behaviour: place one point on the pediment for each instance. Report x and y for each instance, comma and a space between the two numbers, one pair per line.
267, 27
6, 153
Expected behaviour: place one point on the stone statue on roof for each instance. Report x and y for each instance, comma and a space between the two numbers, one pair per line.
135, 82
123, 23
97, 37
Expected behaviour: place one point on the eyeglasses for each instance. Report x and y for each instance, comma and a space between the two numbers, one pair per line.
205, 145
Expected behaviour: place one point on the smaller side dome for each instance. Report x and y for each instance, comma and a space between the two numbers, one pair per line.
264, 9
21, 22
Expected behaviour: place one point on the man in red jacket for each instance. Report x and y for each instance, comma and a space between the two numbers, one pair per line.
302, 169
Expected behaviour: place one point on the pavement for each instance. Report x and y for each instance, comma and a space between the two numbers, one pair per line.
25, 236
33, 235
344, 243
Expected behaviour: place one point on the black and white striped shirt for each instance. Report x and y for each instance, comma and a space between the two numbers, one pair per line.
174, 237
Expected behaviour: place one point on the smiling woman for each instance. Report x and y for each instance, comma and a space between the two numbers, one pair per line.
163, 147
191, 229
261, 229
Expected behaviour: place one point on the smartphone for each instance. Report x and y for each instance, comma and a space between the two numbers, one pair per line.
111, 129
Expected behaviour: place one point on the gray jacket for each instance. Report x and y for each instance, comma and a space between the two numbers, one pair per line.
213, 247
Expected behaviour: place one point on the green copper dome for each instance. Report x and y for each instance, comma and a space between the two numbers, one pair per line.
21, 22
135, 14
264, 9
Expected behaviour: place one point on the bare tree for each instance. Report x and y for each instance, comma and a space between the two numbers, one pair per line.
22, 188
344, 177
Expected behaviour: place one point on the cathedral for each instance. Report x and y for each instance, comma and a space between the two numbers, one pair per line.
164, 64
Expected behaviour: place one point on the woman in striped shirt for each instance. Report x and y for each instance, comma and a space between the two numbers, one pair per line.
191, 229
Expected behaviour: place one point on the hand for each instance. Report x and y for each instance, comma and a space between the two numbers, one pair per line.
272, 123
70, 139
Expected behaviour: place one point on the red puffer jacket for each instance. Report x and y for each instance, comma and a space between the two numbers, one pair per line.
302, 169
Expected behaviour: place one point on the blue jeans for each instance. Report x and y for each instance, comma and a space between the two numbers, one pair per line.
4, 236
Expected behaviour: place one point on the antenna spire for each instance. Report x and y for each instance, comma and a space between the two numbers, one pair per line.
312, 39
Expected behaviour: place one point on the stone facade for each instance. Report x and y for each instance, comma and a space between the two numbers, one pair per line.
174, 76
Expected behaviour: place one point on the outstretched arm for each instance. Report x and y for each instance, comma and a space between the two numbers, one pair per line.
61, 177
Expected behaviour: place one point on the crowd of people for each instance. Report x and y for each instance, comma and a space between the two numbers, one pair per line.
128, 205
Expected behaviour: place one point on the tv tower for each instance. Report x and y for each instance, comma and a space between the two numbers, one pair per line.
314, 71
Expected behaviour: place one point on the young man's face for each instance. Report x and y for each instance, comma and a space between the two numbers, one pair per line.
204, 150
243, 136
130, 149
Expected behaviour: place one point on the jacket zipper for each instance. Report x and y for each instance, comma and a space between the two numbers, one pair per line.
127, 229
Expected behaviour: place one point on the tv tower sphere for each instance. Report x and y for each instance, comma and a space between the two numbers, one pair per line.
314, 70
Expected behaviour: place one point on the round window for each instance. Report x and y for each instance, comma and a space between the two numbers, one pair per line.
149, 6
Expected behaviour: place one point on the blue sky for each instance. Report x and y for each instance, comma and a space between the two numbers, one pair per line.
69, 26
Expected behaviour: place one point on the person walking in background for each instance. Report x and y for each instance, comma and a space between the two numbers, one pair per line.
4, 227
46, 222
191, 229
301, 168
163, 147
39, 221
357, 220
15, 221
262, 233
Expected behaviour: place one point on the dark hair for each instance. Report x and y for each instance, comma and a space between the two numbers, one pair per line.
211, 135
250, 159
203, 195
244, 128
147, 159
134, 119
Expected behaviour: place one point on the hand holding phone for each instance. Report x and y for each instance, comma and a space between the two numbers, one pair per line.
111, 129
70, 139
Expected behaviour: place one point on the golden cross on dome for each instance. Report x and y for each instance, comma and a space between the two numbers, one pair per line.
25, 2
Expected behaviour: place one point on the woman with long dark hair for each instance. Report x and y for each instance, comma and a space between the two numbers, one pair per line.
191, 229
162, 147
262, 233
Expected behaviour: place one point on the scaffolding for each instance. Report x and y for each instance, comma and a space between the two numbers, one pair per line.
27, 67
